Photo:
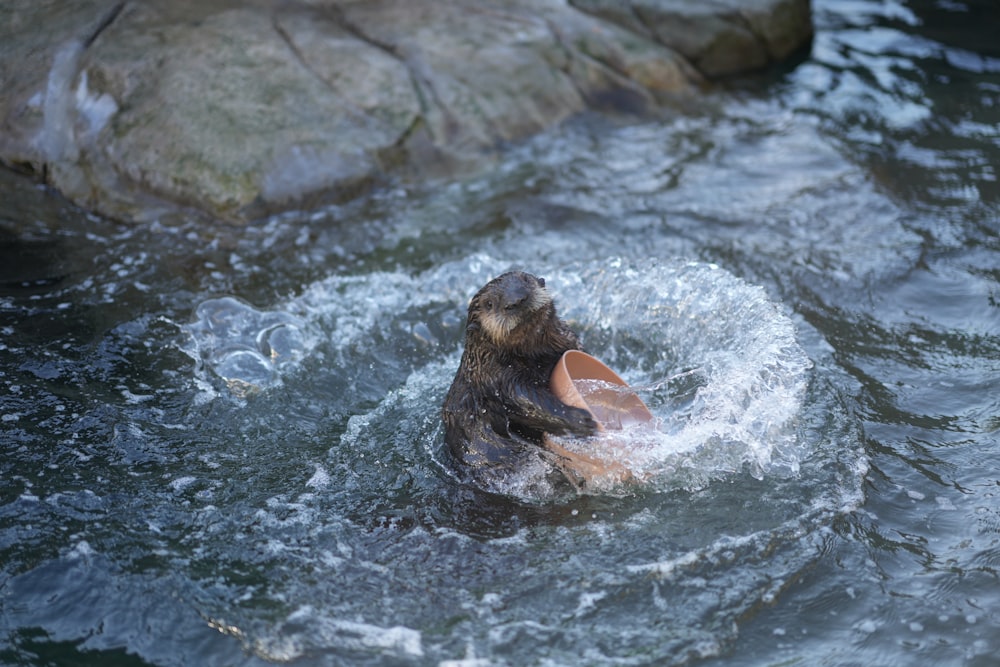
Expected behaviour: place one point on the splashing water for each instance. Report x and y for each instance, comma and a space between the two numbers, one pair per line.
246, 347
712, 356
717, 362
163, 512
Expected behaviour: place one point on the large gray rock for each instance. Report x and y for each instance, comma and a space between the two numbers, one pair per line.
718, 37
240, 108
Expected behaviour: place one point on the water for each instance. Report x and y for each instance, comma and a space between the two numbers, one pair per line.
223, 446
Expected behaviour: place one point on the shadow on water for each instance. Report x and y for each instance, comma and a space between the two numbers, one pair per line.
31, 267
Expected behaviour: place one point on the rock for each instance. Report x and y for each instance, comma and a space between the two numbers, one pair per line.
718, 37
242, 108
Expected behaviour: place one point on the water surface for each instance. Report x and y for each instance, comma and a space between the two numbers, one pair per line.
222, 446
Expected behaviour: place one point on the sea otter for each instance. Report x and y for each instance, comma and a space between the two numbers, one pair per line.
500, 406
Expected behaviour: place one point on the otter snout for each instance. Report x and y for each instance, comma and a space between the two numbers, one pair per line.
522, 290
515, 293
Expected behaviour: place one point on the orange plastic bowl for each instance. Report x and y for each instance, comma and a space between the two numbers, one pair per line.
583, 381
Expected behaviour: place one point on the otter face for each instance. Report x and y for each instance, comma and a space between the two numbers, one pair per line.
507, 302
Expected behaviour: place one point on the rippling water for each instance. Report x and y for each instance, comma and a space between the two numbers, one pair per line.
223, 446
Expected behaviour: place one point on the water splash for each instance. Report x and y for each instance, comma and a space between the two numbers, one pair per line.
245, 347
373, 498
715, 359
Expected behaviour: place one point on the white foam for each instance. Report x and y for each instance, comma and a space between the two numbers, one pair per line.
323, 632
866, 626
182, 483
320, 479
467, 662
82, 550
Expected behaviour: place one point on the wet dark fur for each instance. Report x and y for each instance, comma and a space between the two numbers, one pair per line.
500, 405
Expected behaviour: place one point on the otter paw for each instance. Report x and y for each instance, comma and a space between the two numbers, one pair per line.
581, 422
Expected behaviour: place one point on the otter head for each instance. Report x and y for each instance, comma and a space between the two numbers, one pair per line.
509, 308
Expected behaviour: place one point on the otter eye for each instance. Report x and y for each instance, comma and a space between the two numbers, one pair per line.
488, 305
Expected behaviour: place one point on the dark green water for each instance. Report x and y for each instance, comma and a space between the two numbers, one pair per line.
803, 277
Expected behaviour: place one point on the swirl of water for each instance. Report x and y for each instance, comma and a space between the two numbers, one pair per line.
715, 359
741, 418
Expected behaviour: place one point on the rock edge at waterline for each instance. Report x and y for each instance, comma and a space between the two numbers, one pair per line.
239, 108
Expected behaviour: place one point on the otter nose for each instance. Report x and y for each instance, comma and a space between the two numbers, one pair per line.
514, 294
